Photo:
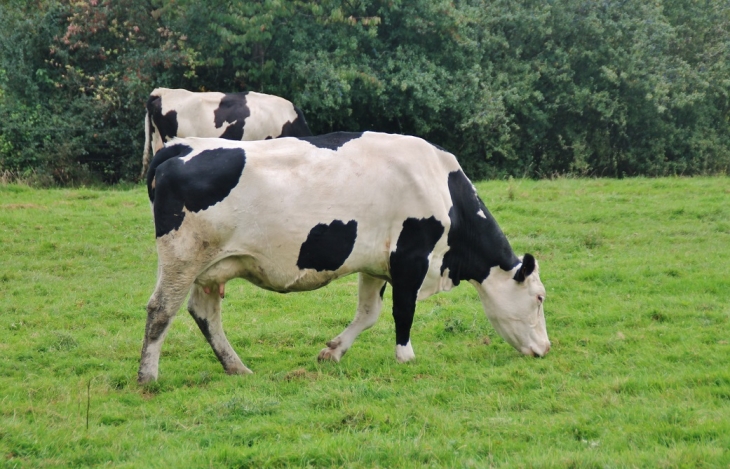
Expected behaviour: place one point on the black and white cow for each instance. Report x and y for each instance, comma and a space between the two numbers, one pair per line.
233, 116
294, 214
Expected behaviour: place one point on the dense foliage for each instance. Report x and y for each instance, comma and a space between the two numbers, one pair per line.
513, 87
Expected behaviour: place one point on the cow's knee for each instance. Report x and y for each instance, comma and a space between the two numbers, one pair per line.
158, 319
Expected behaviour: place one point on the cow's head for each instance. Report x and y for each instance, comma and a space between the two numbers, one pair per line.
513, 301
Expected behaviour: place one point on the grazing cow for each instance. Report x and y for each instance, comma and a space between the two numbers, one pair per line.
295, 214
233, 116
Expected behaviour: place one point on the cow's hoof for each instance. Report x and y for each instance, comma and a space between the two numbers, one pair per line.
328, 354
144, 378
404, 353
239, 370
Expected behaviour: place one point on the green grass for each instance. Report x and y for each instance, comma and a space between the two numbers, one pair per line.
638, 310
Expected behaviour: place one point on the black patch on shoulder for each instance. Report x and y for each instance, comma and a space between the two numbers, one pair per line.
200, 183
328, 246
408, 269
165, 153
298, 128
409, 261
234, 110
332, 141
166, 123
476, 243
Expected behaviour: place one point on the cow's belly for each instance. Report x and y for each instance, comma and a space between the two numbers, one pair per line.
267, 275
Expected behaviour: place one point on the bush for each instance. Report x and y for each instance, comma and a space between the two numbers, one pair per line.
524, 88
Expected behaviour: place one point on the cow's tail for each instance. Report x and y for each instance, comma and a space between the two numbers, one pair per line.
147, 144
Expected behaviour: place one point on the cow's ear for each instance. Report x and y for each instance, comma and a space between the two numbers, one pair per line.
527, 267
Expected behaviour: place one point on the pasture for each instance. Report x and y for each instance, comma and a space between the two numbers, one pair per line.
637, 274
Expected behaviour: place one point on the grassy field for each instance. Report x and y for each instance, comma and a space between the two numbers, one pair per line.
638, 310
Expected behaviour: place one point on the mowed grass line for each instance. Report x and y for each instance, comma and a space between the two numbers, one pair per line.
638, 279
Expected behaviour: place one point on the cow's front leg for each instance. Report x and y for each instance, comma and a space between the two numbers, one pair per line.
370, 303
204, 306
404, 307
409, 264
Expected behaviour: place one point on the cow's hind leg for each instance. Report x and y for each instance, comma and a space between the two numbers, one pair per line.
370, 302
161, 309
205, 308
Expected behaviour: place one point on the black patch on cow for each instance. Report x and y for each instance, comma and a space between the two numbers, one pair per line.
332, 141
234, 110
408, 268
328, 246
203, 326
200, 183
476, 244
166, 123
298, 128
382, 290
165, 153
205, 329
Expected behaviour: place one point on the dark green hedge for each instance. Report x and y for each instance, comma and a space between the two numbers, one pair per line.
523, 88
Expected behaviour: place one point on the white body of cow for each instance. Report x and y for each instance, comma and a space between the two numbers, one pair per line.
236, 116
295, 214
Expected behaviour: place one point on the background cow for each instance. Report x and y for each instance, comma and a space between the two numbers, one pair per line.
234, 116
294, 214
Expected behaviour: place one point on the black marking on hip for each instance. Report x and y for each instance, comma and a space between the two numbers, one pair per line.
476, 243
234, 110
196, 185
165, 153
328, 246
408, 268
166, 123
296, 128
332, 141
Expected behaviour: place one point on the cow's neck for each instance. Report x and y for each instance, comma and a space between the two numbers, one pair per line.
476, 243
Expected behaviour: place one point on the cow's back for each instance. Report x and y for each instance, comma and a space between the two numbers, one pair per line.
235, 116
267, 113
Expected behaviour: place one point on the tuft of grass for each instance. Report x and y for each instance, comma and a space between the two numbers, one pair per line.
638, 279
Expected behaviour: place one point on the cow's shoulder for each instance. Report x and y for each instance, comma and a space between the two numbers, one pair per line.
296, 128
